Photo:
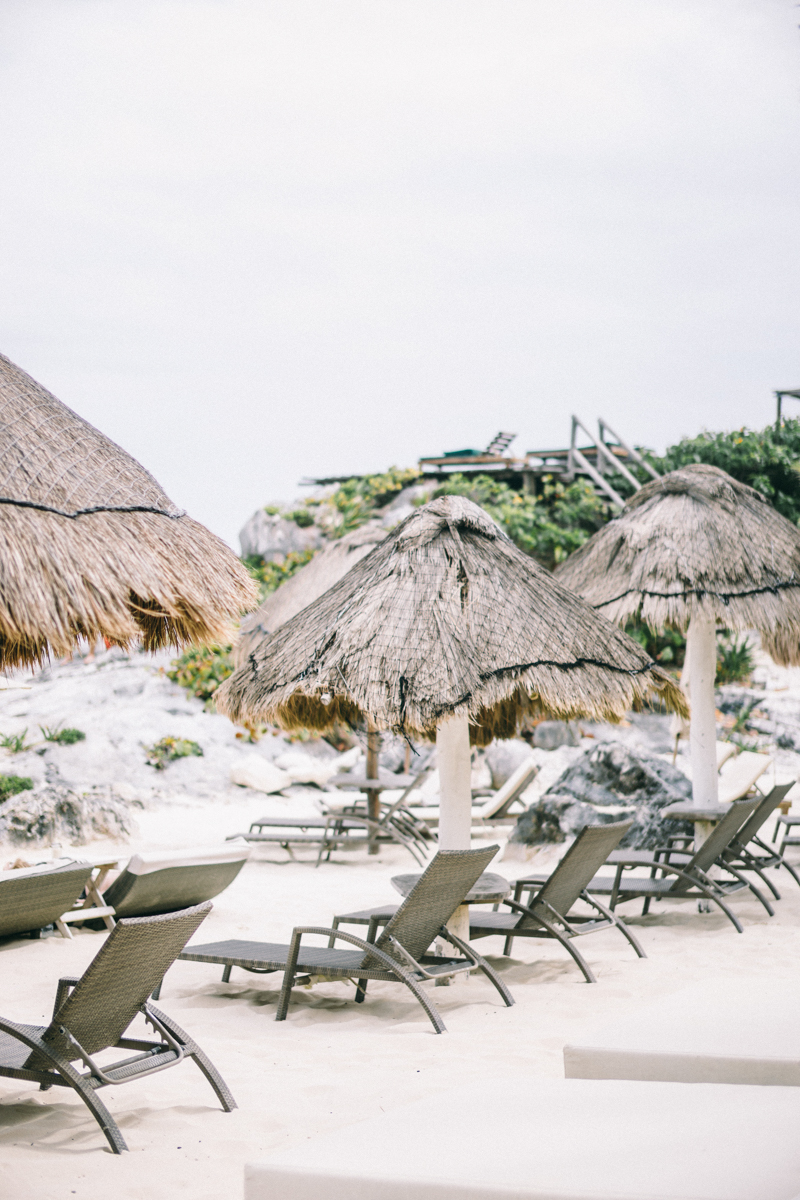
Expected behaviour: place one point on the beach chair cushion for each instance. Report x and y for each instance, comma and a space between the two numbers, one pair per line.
739, 775
33, 897
167, 880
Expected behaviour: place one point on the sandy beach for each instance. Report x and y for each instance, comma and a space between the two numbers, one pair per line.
331, 1063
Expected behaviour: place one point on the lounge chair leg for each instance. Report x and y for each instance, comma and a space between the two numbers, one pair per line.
567, 944
226, 974
646, 906
758, 894
620, 924
509, 942
288, 978
96, 1107
204, 1063
767, 882
709, 895
483, 965
361, 991
334, 925
421, 995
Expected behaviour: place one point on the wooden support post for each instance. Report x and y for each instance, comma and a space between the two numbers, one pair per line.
373, 798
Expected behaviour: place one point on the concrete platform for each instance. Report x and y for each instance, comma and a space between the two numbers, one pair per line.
748, 1035
572, 1139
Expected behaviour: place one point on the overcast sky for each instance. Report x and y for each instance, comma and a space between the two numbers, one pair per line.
257, 241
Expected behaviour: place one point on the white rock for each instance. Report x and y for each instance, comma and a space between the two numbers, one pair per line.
255, 772
303, 768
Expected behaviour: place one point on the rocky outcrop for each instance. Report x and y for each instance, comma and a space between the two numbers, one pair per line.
610, 782
272, 537
55, 814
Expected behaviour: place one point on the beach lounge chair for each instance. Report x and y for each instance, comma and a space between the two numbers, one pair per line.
92, 1014
738, 775
167, 880
548, 912
399, 953
747, 851
496, 809
683, 762
33, 897
691, 878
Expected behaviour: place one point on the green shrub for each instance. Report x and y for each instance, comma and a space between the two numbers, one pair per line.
357, 500
201, 669
15, 742
270, 575
170, 748
735, 662
767, 461
667, 646
548, 526
10, 785
64, 737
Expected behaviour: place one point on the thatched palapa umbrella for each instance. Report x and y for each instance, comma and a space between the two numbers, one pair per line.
694, 550
444, 631
91, 545
322, 572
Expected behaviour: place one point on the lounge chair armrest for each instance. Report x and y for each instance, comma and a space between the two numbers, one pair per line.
370, 947
65, 985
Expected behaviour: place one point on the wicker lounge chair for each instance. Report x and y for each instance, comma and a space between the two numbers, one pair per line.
691, 878
33, 897
548, 912
747, 851
92, 1014
496, 809
167, 880
398, 955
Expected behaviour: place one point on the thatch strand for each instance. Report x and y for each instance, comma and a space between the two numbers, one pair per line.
444, 616
91, 545
696, 542
325, 568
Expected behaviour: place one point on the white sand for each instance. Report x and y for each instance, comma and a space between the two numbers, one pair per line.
332, 1062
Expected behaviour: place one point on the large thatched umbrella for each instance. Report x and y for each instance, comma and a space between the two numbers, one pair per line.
322, 572
445, 630
90, 546
694, 550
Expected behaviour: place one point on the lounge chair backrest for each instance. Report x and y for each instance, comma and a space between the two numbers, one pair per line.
740, 774
30, 899
511, 790
119, 979
763, 812
434, 898
170, 880
718, 840
579, 865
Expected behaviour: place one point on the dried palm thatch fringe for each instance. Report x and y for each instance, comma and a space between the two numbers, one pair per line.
91, 545
326, 567
696, 542
444, 616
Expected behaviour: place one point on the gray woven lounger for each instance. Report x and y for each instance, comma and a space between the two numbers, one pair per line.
34, 897
691, 879
399, 954
747, 852
167, 880
548, 911
92, 1014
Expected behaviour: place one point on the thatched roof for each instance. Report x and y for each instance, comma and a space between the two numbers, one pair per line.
696, 541
444, 616
91, 545
326, 567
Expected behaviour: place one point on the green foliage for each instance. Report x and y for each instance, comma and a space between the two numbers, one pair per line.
302, 517
201, 669
170, 748
767, 461
548, 526
10, 785
734, 658
15, 742
667, 646
64, 737
270, 575
356, 500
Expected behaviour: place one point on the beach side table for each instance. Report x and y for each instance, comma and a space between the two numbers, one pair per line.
489, 889
93, 907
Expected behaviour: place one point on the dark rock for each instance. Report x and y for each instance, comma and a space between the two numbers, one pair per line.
610, 782
54, 813
549, 735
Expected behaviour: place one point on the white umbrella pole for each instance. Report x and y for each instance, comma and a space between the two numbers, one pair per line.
455, 799
702, 649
